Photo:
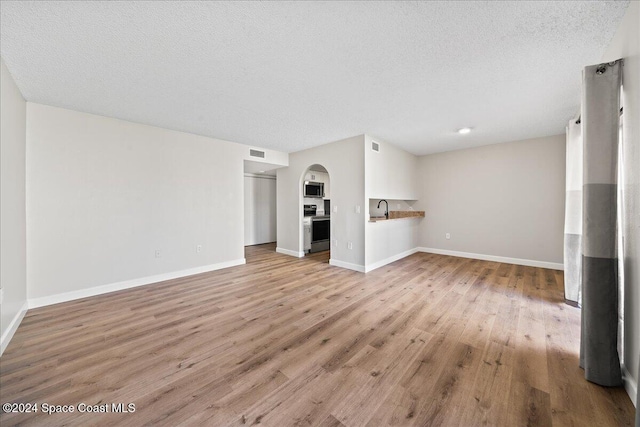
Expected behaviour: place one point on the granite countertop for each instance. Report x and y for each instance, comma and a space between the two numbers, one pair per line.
398, 215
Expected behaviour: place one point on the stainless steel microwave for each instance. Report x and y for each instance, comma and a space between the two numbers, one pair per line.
313, 189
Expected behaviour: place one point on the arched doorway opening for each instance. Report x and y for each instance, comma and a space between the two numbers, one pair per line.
316, 213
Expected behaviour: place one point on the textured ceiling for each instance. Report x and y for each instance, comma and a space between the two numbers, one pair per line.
292, 75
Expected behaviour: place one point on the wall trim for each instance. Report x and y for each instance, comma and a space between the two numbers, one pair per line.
378, 264
290, 252
127, 284
630, 385
347, 265
13, 327
506, 260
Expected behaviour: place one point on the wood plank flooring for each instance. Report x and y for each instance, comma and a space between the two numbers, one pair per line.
427, 340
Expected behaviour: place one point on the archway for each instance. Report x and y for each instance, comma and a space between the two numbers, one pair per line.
315, 202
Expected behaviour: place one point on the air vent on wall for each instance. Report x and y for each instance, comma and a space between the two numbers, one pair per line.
256, 153
375, 146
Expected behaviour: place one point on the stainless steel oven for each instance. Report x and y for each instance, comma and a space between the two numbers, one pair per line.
310, 210
320, 233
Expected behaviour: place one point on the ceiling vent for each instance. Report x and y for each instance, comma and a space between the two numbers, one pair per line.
375, 146
256, 153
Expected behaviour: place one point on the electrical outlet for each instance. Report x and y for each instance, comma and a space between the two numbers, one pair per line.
335, 243
1, 295
447, 236
199, 248
349, 245
335, 208
158, 253
357, 208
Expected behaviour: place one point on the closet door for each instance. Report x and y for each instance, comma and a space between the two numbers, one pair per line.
266, 210
249, 211
260, 210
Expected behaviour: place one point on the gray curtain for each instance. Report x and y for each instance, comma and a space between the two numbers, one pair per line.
600, 122
573, 215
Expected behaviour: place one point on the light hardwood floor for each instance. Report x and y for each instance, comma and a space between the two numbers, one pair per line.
427, 340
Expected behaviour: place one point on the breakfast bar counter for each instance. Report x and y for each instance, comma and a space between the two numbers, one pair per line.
393, 215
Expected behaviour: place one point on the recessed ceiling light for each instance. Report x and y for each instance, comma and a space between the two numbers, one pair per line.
464, 131
261, 171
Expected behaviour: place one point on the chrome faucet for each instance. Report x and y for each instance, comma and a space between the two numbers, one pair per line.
386, 212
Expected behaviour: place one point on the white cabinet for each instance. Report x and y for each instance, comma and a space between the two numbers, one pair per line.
324, 178
326, 186
312, 176
306, 231
259, 210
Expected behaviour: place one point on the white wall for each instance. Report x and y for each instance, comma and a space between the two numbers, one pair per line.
103, 195
389, 241
390, 174
13, 257
502, 200
259, 209
344, 162
626, 44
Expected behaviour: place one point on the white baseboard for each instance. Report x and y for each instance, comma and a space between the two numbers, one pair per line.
348, 265
378, 264
389, 260
13, 327
290, 252
630, 385
518, 261
118, 286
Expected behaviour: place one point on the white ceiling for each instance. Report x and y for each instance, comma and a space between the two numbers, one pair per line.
292, 75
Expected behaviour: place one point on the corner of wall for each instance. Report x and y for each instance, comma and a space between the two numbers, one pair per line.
12, 327
630, 385
12, 206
